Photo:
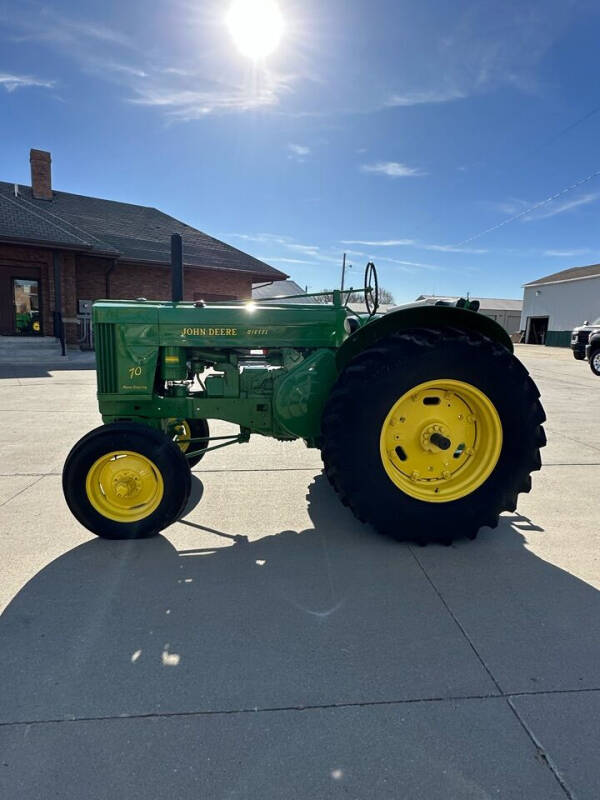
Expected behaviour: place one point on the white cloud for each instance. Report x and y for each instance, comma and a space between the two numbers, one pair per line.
450, 54
184, 95
426, 97
393, 169
308, 249
12, 82
298, 152
272, 239
126, 69
440, 248
381, 243
42, 26
554, 208
582, 251
512, 206
409, 263
190, 104
359, 253
181, 93
450, 248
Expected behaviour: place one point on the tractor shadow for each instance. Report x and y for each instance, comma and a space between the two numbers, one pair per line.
195, 495
329, 615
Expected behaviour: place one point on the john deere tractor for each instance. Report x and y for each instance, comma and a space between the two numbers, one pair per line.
428, 425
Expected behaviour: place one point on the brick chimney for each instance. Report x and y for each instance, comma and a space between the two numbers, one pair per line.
41, 176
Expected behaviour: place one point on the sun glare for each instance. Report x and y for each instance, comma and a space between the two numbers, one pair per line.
256, 26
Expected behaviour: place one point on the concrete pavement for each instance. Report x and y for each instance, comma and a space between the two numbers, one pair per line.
271, 646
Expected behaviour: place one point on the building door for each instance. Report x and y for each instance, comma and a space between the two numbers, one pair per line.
26, 303
537, 328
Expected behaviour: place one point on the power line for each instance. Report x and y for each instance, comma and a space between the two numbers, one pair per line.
545, 202
563, 131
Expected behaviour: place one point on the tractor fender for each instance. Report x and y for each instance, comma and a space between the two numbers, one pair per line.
419, 317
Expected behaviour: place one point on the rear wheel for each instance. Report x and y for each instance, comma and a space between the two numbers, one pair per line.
126, 481
446, 425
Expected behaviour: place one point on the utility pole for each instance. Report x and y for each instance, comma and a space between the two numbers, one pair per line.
343, 272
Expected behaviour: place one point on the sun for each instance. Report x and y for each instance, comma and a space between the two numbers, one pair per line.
256, 26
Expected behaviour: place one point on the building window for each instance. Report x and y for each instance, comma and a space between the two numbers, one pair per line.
26, 300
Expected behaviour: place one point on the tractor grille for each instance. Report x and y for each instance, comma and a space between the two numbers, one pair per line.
104, 334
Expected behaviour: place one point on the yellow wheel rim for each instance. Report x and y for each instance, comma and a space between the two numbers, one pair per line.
441, 441
124, 486
181, 432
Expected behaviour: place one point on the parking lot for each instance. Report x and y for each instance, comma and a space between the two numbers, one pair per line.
271, 646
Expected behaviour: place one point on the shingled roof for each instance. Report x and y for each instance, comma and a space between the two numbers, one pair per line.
273, 291
120, 230
573, 273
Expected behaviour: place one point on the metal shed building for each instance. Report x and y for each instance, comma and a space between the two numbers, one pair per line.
554, 305
506, 312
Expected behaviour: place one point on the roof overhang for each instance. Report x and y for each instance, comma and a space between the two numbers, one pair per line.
49, 245
564, 280
93, 251
263, 276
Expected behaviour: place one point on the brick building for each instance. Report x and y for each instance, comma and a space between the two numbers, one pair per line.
58, 248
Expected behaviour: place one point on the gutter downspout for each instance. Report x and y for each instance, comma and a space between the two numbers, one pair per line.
59, 326
107, 275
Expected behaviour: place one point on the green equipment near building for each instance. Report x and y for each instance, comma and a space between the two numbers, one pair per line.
428, 425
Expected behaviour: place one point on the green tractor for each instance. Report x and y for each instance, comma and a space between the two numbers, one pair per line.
428, 425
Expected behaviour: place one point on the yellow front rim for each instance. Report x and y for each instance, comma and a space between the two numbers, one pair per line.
124, 486
441, 440
181, 432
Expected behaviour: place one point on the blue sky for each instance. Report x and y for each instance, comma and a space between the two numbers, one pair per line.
396, 131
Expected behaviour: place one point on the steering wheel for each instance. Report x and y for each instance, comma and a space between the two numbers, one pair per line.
371, 289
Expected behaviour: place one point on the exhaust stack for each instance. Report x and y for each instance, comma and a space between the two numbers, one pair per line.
176, 268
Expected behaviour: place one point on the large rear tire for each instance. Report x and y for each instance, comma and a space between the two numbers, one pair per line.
126, 481
431, 434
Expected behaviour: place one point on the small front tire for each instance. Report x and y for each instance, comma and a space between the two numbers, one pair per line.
184, 432
595, 362
126, 481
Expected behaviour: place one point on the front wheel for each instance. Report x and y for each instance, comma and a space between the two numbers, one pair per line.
126, 481
595, 362
430, 434
189, 435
